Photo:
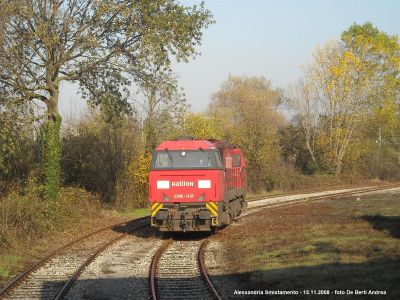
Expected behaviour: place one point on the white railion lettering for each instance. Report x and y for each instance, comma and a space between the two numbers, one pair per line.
182, 183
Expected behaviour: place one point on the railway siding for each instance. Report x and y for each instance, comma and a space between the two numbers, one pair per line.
319, 245
46, 281
50, 277
120, 272
339, 192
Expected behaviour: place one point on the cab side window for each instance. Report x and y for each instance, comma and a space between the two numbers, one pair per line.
236, 160
218, 159
228, 162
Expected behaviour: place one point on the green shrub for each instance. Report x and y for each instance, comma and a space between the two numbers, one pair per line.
132, 186
27, 217
96, 153
295, 181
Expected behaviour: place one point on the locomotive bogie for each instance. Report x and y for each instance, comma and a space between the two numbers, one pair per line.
188, 217
195, 216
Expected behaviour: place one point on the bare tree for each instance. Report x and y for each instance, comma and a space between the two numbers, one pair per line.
164, 105
303, 101
246, 109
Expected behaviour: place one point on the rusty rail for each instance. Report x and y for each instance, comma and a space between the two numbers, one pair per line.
99, 250
13, 284
153, 268
204, 273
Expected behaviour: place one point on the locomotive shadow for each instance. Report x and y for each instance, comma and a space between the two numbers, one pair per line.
186, 236
391, 224
152, 232
381, 275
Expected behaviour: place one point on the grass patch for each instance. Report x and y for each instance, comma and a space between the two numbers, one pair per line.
7, 264
325, 245
27, 221
29, 217
136, 213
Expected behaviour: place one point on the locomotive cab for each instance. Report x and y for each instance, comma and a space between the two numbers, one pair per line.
196, 185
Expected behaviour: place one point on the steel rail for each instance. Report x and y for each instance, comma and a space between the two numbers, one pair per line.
153, 268
261, 197
25, 274
310, 199
321, 197
64, 290
204, 273
14, 283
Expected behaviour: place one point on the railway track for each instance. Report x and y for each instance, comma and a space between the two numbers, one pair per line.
294, 199
178, 271
53, 276
314, 191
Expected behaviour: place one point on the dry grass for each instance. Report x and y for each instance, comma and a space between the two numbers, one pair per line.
27, 221
30, 227
297, 183
341, 244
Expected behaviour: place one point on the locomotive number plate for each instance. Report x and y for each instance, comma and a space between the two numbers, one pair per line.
183, 196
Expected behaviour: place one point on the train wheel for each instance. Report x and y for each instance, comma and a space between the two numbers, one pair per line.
214, 230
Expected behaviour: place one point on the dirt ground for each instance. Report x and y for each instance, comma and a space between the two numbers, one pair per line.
321, 250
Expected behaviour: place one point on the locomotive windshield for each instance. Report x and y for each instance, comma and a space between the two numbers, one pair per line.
186, 159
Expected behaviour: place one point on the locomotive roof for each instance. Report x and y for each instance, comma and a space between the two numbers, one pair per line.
193, 144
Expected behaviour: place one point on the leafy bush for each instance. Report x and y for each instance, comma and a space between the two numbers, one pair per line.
96, 152
18, 143
295, 182
27, 217
132, 187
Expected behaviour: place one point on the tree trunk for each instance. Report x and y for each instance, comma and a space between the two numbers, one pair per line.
151, 131
338, 168
310, 150
52, 149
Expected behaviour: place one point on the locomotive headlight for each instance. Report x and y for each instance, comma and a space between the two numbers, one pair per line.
204, 184
162, 184
201, 197
165, 197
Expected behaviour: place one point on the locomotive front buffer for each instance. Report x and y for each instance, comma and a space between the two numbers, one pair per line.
186, 217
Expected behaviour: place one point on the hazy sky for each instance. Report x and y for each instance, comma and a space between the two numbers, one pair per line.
264, 37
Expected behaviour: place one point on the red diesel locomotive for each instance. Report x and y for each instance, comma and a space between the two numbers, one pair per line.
196, 185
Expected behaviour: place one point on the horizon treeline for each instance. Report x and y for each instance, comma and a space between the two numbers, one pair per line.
344, 126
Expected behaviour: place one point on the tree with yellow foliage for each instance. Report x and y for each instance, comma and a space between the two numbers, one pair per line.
245, 108
350, 79
200, 126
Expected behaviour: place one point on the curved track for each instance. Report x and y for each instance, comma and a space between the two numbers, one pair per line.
293, 199
52, 277
317, 191
178, 271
